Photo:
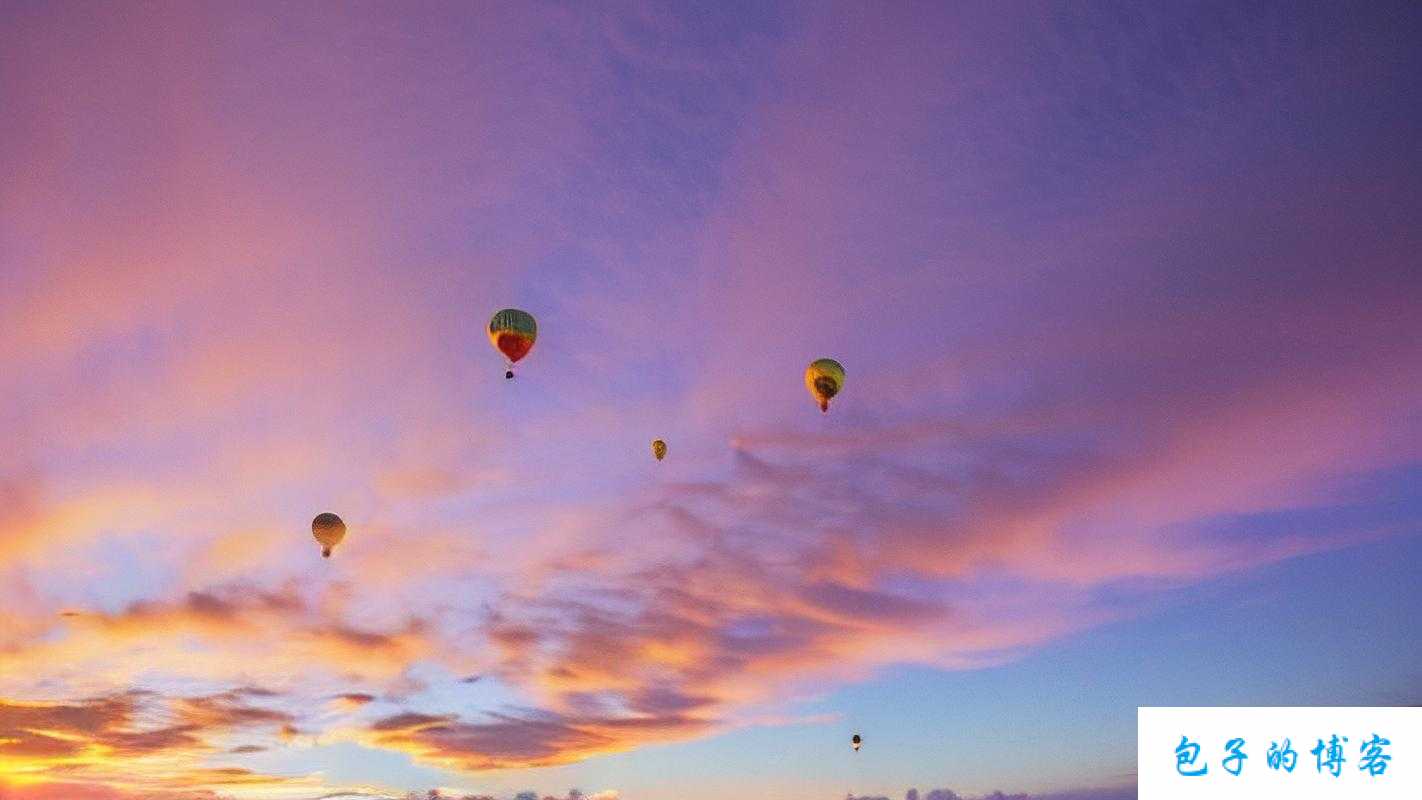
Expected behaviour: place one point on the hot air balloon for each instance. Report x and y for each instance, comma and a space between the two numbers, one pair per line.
854, 742
824, 378
512, 333
328, 530
659, 449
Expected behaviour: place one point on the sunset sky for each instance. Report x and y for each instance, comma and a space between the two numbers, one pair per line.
1129, 299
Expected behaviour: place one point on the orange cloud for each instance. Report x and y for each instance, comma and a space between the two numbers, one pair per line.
351, 701
280, 633
114, 743
530, 739
66, 790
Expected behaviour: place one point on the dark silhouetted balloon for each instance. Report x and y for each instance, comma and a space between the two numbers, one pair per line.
328, 530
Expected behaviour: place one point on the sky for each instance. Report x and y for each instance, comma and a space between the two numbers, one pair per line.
1126, 295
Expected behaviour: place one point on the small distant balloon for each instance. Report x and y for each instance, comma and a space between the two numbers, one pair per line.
659, 449
855, 742
512, 332
329, 530
824, 378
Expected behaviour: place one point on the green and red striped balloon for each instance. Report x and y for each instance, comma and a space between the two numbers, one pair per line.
512, 332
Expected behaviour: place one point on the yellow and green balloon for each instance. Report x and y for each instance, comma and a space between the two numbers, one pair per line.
824, 378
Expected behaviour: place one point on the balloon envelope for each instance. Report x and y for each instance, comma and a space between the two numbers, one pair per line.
659, 449
328, 530
824, 378
512, 332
